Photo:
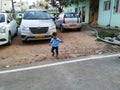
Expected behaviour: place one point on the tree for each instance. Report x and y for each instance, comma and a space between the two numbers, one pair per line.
64, 3
61, 4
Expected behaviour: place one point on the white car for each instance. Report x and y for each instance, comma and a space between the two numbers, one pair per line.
36, 24
8, 28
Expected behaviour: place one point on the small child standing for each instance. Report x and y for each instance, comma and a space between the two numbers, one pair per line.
55, 43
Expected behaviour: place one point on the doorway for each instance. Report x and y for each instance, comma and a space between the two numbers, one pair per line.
93, 14
83, 13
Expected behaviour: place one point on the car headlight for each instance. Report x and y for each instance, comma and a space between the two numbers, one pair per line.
2, 29
52, 27
23, 28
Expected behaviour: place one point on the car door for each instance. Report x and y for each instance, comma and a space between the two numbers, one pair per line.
9, 23
12, 25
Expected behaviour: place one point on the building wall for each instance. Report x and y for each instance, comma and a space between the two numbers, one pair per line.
5, 5
104, 16
24, 5
85, 3
115, 18
108, 17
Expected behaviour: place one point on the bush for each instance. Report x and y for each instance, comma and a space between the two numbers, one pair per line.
18, 21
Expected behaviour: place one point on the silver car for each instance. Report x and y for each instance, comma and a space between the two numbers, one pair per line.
36, 24
68, 21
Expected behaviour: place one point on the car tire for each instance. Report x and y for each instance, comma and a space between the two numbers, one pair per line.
16, 34
62, 29
24, 41
56, 26
79, 29
9, 39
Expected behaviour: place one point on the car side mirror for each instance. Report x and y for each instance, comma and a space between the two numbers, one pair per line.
20, 16
8, 21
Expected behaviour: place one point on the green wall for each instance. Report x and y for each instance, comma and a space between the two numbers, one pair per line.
108, 17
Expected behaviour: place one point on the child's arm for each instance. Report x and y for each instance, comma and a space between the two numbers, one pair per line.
50, 44
60, 40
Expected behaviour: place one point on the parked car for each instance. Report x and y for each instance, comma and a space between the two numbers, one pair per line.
8, 28
68, 20
36, 24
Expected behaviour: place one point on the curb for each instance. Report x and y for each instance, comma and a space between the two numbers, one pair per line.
98, 38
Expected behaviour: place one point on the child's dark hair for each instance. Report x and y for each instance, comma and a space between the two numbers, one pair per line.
54, 34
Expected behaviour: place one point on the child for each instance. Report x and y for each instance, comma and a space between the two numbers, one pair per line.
54, 42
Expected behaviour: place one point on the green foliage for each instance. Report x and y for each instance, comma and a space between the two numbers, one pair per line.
18, 21
65, 3
53, 11
103, 34
69, 2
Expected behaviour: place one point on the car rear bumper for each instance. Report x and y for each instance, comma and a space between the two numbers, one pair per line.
71, 26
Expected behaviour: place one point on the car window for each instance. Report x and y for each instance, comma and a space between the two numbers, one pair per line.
36, 15
70, 15
2, 18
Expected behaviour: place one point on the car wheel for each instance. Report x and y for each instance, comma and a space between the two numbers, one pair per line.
79, 29
9, 39
56, 26
16, 31
61, 29
24, 41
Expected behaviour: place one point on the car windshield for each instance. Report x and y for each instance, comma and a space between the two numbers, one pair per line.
2, 18
36, 15
70, 15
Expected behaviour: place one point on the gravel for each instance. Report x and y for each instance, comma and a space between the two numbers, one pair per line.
75, 44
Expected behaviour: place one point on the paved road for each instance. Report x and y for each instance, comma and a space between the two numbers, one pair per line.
94, 74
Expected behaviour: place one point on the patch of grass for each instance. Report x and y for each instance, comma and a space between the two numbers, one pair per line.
103, 34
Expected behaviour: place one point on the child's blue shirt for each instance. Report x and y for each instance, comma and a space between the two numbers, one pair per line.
55, 42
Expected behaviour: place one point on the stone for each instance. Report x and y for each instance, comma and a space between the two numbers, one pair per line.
36, 55
108, 38
118, 37
3, 58
7, 66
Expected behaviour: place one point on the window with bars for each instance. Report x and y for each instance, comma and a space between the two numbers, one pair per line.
107, 5
117, 6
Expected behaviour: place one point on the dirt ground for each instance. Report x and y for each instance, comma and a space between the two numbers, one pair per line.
75, 44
